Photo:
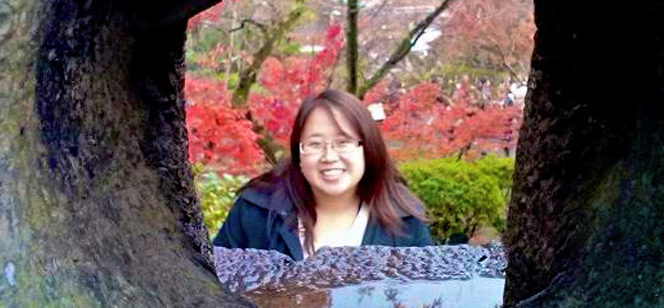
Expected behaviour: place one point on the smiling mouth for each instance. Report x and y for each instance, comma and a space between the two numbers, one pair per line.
331, 173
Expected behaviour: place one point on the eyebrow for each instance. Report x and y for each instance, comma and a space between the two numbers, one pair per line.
317, 135
311, 136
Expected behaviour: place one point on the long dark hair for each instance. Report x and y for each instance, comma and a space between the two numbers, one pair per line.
382, 187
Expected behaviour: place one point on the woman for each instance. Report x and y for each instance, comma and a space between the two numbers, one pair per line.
338, 188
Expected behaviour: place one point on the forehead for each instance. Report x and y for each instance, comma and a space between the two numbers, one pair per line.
321, 123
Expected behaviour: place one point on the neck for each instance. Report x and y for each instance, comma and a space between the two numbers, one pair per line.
337, 205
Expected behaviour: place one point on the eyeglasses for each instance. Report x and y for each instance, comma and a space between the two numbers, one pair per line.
340, 145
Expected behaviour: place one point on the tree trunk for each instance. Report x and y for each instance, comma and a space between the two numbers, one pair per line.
352, 46
585, 219
271, 148
97, 206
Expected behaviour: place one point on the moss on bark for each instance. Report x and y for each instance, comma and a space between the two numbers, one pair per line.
584, 223
97, 206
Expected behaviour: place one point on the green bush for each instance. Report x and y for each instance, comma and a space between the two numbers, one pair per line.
462, 196
502, 170
216, 195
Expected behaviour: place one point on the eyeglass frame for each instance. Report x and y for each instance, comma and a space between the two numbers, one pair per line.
329, 143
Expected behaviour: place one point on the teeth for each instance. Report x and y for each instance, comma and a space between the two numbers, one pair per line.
331, 172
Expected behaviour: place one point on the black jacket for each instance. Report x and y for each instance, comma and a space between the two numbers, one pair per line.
256, 221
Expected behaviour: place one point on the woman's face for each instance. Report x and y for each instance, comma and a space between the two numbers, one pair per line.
331, 173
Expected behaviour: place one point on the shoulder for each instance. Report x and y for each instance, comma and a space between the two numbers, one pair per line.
413, 215
417, 231
246, 223
412, 223
410, 204
269, 190
249, 207
265, 197
256, 196
413, 232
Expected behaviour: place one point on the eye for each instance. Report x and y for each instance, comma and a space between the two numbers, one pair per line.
344, 142
314, 144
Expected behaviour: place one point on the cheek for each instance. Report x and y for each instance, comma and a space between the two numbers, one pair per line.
358, 162
307, 164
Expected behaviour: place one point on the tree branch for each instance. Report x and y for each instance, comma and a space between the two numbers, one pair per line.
505, 63
330, 77
259, 25
249, 74
404, 48
377, 10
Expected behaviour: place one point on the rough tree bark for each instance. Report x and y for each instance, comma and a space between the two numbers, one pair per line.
97, 206
585, 223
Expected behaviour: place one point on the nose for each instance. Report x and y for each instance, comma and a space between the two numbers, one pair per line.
330, 154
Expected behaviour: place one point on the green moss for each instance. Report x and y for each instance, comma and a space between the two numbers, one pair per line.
606, 193
34, 288
621, 267
28, 206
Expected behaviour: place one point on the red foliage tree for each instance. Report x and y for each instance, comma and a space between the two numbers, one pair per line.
287, 82
497, 33
222, 137
219, 136
419, 125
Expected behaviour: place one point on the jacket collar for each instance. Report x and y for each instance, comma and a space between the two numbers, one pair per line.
277, 202
274, 199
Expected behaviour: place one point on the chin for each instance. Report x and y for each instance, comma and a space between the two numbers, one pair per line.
333, 191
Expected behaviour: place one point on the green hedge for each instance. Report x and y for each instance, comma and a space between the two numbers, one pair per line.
462, 196
216, 195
